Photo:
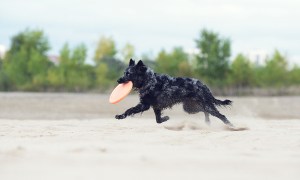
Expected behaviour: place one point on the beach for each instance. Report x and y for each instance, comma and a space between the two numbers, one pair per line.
75, 136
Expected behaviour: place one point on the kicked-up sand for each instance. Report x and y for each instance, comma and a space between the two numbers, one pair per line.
75, 136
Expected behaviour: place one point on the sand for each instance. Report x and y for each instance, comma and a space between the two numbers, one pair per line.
74, 136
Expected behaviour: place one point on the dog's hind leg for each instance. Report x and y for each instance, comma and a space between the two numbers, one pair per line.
213, 111
207, 118
160, 119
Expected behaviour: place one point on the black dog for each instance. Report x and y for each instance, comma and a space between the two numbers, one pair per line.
161, 91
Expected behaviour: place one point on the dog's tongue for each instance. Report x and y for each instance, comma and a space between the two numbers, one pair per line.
120, 92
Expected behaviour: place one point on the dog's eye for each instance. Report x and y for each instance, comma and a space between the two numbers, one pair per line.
127, 73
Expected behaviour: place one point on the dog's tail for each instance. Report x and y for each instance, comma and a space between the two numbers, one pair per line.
222, 103
217, 102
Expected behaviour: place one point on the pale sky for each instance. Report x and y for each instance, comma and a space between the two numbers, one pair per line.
252, 25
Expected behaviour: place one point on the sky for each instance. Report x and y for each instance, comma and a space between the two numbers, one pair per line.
251, 25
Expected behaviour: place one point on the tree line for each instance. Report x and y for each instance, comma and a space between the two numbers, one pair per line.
26, 66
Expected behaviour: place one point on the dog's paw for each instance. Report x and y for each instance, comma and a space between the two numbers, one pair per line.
162, 119
120, 116
229, 124
165, 118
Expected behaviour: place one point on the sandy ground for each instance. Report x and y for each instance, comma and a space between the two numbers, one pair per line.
74, 136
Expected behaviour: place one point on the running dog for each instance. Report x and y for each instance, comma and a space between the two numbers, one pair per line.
161, 91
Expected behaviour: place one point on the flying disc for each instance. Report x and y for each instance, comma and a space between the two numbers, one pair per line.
120, 92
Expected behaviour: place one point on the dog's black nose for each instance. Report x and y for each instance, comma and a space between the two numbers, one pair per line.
121, 80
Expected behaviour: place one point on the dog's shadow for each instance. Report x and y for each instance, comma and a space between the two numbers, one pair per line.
228, 128
196, 126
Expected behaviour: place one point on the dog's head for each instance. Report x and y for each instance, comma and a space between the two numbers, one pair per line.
136, 73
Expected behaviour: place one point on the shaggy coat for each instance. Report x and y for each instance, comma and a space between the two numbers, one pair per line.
161, 91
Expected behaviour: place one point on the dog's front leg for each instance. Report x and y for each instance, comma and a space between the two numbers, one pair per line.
134, 110
160, 119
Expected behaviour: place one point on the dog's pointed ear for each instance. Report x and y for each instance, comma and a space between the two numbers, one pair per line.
141, 66
131, 62
140, 63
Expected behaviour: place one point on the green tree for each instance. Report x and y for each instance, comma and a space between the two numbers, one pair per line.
106, 48
4, 83
72, 73
107, 72
184, 69
79, 54
101, 73
294, 76
213, 59
149, 60
241, 74
26, 62
127, 52
174, 63
107, 67
274, 73
115, 66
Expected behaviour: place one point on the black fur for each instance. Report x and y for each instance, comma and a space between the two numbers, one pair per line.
161, 91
